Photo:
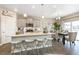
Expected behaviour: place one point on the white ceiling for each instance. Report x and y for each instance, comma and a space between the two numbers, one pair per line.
47, 10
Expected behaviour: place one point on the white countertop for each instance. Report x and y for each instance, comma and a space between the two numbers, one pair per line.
32, 34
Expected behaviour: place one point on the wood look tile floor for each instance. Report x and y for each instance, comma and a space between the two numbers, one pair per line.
56, 49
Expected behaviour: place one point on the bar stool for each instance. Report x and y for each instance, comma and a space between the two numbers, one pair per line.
29, 45
45, 42
40, 45
49, 43
35, 46
16, 47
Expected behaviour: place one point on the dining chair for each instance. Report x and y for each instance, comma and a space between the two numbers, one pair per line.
71, 37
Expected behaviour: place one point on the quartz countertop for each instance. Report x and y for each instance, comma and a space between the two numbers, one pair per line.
32, 34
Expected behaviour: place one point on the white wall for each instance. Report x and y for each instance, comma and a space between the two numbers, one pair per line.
71, 19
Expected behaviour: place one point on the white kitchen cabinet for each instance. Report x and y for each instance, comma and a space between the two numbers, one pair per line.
8, 28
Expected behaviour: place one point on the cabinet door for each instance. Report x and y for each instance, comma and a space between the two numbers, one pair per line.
3, 29
8, 28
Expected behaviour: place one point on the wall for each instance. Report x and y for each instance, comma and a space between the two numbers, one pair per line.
71, 17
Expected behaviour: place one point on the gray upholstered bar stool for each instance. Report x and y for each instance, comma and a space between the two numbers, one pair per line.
50, 41
35, 46
40, 45
32, 45
29, 45
16, 47
47, 44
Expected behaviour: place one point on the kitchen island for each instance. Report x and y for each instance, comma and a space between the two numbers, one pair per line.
30, 35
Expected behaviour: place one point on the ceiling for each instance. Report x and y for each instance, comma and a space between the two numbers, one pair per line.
46, 10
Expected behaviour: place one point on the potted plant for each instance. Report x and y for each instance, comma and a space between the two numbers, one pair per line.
56, 26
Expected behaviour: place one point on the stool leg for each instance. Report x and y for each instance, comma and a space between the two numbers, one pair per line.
33, 50
25, 50
13, 49
20, 50
38, 51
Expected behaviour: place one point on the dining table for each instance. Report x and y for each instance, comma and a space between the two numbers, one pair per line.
63, 36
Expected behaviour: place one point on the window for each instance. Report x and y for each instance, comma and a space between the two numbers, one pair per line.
67, 26
72, 26
75, 26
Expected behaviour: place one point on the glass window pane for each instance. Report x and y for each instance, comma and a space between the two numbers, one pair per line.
67, 26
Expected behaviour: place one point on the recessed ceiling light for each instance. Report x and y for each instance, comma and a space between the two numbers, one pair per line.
25, 15
15, 9
33, 6
42, 16
58, 18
